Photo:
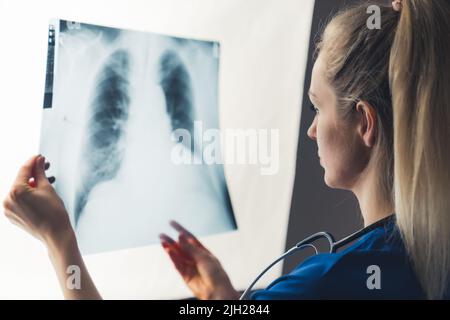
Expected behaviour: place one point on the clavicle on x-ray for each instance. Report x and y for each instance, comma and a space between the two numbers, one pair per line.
112, 101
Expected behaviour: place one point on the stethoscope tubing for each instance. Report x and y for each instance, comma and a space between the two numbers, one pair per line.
308, 242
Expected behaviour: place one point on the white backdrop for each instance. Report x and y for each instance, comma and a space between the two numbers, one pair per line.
264, 44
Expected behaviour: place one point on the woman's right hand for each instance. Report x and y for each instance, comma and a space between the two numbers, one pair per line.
199, 268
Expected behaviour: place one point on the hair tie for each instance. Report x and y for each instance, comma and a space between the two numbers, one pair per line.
397, 5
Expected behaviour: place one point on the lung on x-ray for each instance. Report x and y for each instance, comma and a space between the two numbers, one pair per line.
113, 99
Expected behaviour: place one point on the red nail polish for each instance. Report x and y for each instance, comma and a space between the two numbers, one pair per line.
165, 245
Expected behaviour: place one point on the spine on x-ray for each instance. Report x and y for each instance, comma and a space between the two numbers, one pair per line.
103, 151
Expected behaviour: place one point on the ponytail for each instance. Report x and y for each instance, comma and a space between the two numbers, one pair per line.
419, 74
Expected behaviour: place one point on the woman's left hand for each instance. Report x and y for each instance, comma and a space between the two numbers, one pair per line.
33, 204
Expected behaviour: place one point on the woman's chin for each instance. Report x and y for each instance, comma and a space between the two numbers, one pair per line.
328, 181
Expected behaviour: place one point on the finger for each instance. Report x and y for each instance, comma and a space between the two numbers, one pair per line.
190, 247
26, 172
39, 172
181, 229
169, 244
32, 182
164, 237
185, 266
185, 269
176, 253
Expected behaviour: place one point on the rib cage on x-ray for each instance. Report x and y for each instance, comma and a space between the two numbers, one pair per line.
117, 99
103, 152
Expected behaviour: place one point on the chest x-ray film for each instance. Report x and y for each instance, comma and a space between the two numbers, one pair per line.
113, 100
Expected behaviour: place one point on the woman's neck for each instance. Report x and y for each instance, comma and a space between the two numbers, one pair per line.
374, 206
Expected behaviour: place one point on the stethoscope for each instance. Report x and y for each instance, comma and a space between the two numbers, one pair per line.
308, 243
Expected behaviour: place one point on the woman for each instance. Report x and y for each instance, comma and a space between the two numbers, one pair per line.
360, 129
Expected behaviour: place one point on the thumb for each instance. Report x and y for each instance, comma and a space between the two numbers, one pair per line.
39, 172
26, 172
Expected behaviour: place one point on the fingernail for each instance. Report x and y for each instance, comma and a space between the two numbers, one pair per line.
191, 240
164, 244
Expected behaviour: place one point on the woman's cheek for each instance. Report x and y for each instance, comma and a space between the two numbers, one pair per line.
330, 156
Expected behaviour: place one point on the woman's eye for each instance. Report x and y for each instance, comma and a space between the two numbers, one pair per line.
314, 109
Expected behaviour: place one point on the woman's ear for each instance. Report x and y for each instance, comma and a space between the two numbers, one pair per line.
367, 126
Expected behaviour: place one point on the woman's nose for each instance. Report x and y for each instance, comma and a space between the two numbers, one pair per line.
312, 130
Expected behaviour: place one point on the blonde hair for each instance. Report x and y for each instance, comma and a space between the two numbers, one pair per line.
409, 57
420, 79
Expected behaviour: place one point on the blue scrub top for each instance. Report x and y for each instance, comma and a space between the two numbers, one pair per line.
345, 274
